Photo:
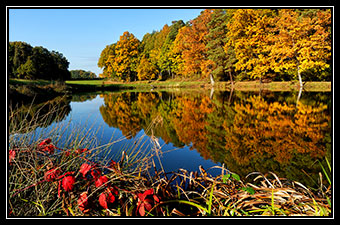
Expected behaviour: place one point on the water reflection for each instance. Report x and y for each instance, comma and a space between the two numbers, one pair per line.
246, 131
28, 116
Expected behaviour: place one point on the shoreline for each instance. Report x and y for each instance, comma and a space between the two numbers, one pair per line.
26, 90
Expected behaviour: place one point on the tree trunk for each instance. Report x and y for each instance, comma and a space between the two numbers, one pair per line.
299, 96
231, 78
300, 79
230, 94
212, 79
211, 93
299, 74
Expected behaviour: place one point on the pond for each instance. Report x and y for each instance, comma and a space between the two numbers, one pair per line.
245, 132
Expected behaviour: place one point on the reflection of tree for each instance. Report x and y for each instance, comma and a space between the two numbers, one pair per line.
26, 117
147, 103
279, 130
255, 133
190, 121
83, 97
120, 111
275, 135
166, 129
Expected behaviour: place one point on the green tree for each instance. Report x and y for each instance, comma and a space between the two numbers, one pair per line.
82, 74
216, 39
36, 63
18, 53
166, 60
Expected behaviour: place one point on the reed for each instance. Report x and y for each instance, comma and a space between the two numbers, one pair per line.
66, 171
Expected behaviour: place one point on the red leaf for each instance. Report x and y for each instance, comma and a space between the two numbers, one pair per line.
68, 183
155, 197
110, 197
11, 155
101, 180
51, 174
141, 209
148, 192
106, 198
83, 201
113, 190
145, 203
102, 200
148, 204
59, 188
50, 148
45, 142
141, 196
84, 168
81, 150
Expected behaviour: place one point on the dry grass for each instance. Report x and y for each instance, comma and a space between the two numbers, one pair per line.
178, 193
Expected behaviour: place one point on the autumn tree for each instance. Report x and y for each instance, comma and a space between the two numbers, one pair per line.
146, 70
126, 56
121, 111
167, 58
249, 35
159, 40
106, 61
226, 44
189, 119
191, 42
301, 43
151, 51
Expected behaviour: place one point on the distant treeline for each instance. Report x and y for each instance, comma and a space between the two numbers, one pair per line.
27, 62
82, 74
228, 44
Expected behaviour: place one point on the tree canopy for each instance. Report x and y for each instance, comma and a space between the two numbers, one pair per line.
228, 44
82, 74
27, 62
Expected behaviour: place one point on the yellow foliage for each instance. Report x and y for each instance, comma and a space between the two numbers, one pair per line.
276, 129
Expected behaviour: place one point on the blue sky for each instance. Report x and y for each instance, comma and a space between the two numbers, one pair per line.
81, 34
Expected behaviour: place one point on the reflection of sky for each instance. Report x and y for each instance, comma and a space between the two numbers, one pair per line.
175, 158
85, 116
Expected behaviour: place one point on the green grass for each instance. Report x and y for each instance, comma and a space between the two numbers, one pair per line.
85, 82
205, 84
26, 82
96, 85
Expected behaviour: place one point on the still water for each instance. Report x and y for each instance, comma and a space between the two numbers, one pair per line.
279, 132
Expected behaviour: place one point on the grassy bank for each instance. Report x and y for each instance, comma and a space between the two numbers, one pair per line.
242, 85
21, 88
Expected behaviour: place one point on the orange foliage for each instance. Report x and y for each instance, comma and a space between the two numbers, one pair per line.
276, 129
191, 42
126, 53
190, 121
